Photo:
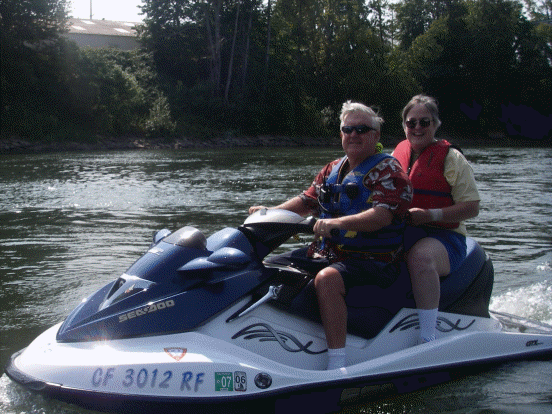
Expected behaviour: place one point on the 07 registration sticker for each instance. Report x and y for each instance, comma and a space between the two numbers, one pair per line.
228, 381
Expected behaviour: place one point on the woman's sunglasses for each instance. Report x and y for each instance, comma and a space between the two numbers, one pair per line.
424, 123
360, 129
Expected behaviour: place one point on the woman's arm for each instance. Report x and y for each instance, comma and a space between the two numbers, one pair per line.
452, 214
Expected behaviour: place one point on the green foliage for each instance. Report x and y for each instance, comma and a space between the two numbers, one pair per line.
30, 79
31, 21
66, 93
276, 67
486, 54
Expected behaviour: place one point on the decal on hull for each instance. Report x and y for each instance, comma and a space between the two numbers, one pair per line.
147, 309
176, 353
265, 332
443, 324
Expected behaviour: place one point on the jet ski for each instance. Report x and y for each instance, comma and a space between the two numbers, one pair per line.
201, 322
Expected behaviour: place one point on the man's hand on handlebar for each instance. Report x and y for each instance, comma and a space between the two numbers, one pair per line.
325, 227
253, 209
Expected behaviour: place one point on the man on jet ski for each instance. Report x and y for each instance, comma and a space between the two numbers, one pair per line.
361, 200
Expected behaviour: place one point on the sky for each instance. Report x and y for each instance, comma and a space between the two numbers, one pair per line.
119, 10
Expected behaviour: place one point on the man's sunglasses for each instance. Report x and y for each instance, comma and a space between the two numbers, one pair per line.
360, 129
424, 123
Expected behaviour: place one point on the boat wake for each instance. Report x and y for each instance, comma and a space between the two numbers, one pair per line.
532, 302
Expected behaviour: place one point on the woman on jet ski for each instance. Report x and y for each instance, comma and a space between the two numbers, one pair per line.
445, 194
363, 197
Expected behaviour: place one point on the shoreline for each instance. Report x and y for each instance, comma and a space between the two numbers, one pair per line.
15, 145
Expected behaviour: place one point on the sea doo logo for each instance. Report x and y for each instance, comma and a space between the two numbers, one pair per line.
147, 309
533, 343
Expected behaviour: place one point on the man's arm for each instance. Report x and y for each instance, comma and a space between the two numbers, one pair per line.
367, 221
296, 205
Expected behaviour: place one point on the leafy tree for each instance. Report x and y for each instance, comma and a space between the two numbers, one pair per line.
30, 65
282, 66
28, 22
52, 90
208, 55
539, 10
481, 55
327, 52
414, 17
413, 20
493, 26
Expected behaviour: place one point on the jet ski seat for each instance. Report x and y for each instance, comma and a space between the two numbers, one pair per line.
466, 291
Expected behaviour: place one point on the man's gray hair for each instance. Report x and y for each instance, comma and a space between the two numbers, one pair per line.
351, 107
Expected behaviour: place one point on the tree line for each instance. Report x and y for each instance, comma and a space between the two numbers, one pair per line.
249, 67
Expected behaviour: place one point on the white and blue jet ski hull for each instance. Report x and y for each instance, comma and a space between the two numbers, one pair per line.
202, 322
248, 364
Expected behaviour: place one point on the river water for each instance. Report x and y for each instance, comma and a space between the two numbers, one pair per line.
72, 222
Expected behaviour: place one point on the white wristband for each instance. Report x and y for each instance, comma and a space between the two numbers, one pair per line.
436, 214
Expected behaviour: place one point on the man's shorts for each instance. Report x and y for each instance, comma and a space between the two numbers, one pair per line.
354, 272
357, 272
